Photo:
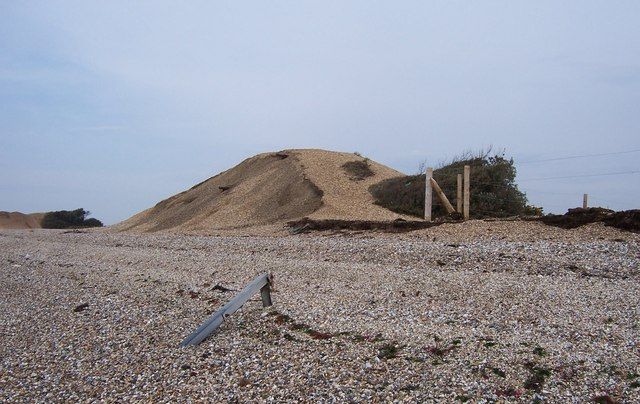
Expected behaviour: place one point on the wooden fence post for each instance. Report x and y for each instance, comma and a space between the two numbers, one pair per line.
442, 196
585, 199
459, 195
427, 194
466, 197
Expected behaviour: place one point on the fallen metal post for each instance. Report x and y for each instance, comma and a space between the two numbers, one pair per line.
262, 283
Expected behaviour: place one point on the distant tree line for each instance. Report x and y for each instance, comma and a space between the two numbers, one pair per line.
494, 192
65, 219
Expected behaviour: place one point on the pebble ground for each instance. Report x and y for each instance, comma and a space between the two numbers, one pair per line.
476, 312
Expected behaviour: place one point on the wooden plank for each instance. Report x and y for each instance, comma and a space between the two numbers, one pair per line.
428, 198
585, 200
459, 195
442, 196
218, 317
465, 191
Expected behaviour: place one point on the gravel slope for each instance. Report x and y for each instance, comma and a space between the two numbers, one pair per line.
521, 312
269, 189
18, 220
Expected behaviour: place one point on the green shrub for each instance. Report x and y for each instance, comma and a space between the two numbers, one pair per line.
93, 222
494, 192
64, 219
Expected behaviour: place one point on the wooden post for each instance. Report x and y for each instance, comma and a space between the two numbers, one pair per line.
459, 194
585, 199
442, 196
427, 194
466, 197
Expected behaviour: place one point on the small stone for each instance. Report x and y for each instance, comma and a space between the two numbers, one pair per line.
81, 307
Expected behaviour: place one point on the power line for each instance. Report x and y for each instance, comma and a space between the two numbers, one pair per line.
581, 176
611, 201
580, 156
535, 191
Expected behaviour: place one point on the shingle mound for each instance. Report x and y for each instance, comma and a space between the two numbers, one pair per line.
17, 220
271, 188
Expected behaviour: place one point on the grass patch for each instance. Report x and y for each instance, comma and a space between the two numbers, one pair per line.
604, 399
438, 350
488, 342
285, 319
611, 370
282, 319
537, 377
499, 372
539, 351
358, 170
509, 392
318, 335
388, 351
368, 338
290, 337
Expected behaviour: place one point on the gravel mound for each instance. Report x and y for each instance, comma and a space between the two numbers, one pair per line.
478, 311
17, 220
267, 189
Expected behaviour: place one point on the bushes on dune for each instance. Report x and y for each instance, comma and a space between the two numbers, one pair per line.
64, 219
494, 192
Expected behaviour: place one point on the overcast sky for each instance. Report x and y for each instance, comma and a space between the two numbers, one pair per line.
112, 106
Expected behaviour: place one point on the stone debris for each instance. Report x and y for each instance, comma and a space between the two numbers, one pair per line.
81, 307
476, 311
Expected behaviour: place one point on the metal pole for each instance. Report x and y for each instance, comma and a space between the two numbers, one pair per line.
265, 294
260, 283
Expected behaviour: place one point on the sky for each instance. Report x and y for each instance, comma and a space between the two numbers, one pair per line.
113, 106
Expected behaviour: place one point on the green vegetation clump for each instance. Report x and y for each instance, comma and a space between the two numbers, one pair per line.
65, 219
388, 351
494, 192
499, 372
358, 170
537, 377
539, 351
